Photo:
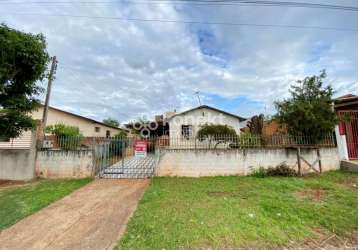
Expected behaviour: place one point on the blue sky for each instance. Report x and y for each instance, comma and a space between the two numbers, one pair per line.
126, 69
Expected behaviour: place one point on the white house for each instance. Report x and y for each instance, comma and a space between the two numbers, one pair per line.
187, 123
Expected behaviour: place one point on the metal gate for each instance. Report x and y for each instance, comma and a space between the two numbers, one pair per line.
115, 158
351, 130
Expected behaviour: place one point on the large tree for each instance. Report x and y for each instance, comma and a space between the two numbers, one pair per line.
23, 62
309, 109
111, 122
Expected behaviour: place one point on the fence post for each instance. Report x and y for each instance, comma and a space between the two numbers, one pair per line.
319, 160
299, 161
123, 151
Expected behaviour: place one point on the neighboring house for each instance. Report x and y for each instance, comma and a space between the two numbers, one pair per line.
347, 131
188, 123
22, 142
88, 127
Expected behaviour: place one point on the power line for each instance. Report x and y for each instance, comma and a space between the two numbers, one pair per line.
186, 21
204, 2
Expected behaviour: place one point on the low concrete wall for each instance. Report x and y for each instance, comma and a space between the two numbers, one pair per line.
18, 164
198, 163
64, 164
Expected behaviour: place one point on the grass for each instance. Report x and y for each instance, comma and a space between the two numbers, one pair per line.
17, 202
218, 212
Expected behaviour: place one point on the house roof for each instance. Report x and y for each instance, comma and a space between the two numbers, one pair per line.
86, 118
345, 101
211, 108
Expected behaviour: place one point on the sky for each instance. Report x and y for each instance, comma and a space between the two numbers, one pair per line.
126, 69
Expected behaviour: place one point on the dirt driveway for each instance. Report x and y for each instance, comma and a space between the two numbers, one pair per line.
93, 217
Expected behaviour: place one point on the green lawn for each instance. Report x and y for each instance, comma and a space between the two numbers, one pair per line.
17, 202
228, 212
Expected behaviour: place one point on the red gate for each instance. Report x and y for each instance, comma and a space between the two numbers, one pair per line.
351, 130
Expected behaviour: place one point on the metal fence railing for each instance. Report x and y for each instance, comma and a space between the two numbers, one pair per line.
182, 142
245, 141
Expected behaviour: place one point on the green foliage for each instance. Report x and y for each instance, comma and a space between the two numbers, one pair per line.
309, 110
256, 124
118, 143
246, 139
259, 173
63, 130
121, 134
217, 133
68, 137
214, 131
111, 122
23, 62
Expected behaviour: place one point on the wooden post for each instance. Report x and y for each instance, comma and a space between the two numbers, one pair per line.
299, 161
319, 160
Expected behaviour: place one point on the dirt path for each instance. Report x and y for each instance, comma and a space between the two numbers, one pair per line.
93, 217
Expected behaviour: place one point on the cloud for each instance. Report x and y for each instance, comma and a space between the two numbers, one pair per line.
127, 69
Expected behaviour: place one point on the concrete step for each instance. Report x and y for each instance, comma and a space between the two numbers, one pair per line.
351, 166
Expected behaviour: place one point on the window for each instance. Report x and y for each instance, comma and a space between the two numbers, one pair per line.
108, 133
187, 131
97, 129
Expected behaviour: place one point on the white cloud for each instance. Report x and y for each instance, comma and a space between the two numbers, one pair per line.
127, 69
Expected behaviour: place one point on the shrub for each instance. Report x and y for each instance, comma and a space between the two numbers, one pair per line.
281, 170
68, 137
259, 173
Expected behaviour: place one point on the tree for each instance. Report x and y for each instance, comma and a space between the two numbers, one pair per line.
111, 122
256, 124
218, 133
23, 62
309, 111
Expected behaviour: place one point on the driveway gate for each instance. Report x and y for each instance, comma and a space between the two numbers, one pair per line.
115, 158
351, 131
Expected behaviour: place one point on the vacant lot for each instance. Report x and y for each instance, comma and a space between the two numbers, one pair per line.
244, 212
19, 201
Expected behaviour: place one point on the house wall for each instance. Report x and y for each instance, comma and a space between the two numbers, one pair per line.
64, 164
18, 163
22, 142
196, 163
86, 127
199, 117
341, 144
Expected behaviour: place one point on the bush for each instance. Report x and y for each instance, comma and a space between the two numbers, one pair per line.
281, 170
259, 173
68, 137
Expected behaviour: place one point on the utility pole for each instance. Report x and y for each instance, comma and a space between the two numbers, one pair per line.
49, 85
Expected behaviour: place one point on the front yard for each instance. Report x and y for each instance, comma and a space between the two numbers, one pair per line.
246, 212
19, 201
